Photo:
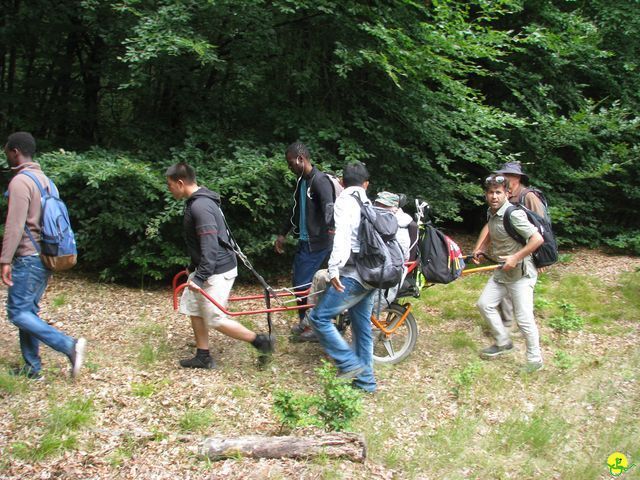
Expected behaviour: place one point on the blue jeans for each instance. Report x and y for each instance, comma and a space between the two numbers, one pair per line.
29, 282
305, 264
359, 301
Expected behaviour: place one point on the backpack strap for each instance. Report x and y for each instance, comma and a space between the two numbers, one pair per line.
537, 193
42, 195
508, 226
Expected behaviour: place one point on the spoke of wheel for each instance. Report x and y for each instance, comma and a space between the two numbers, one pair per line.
389, 347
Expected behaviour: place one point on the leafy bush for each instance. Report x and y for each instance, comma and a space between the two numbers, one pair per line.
627, 241
563, 360
129, 228
335, 409
464, 378
111, 198
568, 320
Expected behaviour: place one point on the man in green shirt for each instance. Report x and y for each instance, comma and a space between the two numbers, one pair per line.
516, 278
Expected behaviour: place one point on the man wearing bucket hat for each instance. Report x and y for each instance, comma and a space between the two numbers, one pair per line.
519, 194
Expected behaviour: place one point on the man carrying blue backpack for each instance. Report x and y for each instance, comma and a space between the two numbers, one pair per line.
22, 268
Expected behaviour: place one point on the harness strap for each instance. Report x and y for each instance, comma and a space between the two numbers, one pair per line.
268, 289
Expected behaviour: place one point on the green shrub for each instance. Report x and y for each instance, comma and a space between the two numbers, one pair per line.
111, 198
128, 227
563, 360
568, 320
465, 377
627, 241
334, 409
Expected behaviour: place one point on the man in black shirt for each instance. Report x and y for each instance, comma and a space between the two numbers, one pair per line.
213, 267
311, 220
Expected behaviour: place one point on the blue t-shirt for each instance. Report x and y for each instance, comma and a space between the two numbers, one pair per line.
304, 234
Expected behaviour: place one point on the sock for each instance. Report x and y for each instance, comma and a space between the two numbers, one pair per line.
200, 353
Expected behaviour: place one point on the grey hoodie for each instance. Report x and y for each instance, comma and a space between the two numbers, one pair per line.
206, 236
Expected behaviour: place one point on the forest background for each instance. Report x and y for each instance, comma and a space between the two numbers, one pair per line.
432, 95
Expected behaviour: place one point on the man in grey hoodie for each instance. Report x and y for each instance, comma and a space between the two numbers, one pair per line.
213, 267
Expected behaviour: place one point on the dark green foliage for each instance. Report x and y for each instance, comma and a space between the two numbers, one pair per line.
112, 199
431, 95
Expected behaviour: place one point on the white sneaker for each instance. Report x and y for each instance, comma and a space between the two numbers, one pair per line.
78, 356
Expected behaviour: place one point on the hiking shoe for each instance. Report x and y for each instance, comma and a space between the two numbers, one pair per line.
349, 374
77, 356
297, 329
26, 372
531, 367
265, 345
495, 351
198, 362
307, 335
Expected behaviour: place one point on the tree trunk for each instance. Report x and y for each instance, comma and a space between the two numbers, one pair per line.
343, 445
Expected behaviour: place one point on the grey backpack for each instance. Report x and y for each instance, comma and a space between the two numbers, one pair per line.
380, 261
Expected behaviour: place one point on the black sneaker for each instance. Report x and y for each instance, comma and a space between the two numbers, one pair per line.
495, 351
27, 373
198, 362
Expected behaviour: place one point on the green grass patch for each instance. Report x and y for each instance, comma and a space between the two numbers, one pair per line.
148, 328
563, 360
124, 452
51, 443
461, 340
596, 303
60, 300
445, 448
465, 377
153, 351
144, 389
534, 434
455, 300
196, 420
565, 258
11, 385
61, 423
152, 343
567, 320
630, 289
70, 415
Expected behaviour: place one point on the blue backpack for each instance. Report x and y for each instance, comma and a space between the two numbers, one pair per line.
58, 244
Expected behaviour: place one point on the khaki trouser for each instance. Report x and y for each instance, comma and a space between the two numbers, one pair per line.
521, 293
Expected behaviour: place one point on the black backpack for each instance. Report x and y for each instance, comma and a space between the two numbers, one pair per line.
380, 261
547, 253
440, 257
538, 193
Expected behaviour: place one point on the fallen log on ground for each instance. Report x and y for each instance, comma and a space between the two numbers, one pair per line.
350, 446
